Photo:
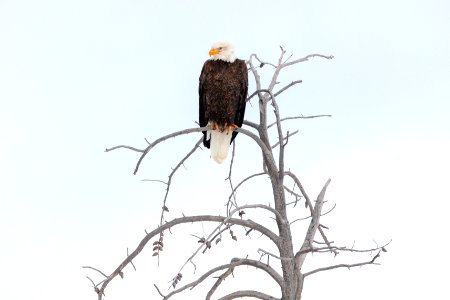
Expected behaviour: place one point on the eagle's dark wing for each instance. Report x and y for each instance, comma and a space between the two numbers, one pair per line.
202, 104
240, 112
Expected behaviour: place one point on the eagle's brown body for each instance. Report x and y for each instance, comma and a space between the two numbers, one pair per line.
222, 93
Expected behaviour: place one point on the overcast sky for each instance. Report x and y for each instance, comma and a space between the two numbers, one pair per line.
77, 77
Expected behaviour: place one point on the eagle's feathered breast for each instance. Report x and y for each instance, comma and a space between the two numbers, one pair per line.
222, 91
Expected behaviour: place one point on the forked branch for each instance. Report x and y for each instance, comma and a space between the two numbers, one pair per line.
235, 262
313, 226
182, 220
146, 150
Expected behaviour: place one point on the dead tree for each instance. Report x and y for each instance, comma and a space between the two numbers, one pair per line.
290, 277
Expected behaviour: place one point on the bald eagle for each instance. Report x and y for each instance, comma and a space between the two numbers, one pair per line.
223, 86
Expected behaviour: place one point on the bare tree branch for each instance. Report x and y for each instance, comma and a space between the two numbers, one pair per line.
234, 263
144, 152
302, 190
155, 180
156, 142
251, 124
182, 220
124, 146
277, 70
306, 58
297, 196
248, 293
274, 211
262, 63
257, 92
244, 180
280, 136
262, 127
159, 292
285, 138
88, 267
218, 282
313, 226
164, 207
307, 202
370, 262
343, 249
264, 252
93, 284
298, 117
255, 74
233, 195
287, 87
305, 218
208, 240
174, 170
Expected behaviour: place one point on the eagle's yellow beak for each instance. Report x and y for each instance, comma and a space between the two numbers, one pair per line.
213, 51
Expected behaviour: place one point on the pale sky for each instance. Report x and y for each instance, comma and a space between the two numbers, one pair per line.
77, 77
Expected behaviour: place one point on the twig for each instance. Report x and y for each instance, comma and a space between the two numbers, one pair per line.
308, 202
306, 58
285, 139
299, 117
233, 194
159, 292
126, 147
88, 267
344, 249
244, 180
131, 262
174, 170
93, 284
305, 218
297, 196
168, 184
370, 262
278, 68
255, 74
217, 235
263, 62
287, 87
264, 252
155, 180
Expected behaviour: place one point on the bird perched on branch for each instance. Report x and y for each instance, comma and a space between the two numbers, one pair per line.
222, 92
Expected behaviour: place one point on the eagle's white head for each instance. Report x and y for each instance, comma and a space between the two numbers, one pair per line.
223, 51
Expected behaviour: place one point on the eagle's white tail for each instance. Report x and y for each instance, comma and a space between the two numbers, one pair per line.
219, 145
